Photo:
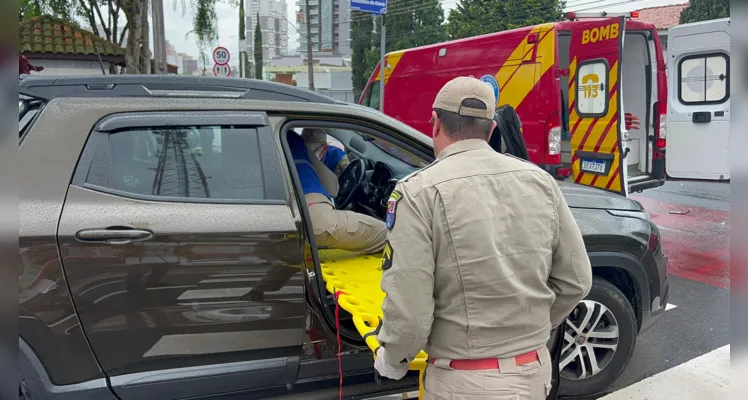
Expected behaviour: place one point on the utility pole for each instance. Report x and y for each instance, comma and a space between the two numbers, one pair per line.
310, 60
159, 37
382, 66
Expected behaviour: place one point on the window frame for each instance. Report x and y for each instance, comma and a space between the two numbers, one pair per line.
274, 185
704, 56
577, 77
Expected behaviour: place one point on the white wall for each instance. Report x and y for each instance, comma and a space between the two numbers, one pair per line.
68, 67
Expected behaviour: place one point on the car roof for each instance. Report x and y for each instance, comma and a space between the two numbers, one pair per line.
163, 92
49, 87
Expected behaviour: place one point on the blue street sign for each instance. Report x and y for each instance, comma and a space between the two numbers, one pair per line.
371, 6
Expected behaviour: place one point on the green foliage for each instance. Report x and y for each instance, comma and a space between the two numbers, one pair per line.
705, 10
479, 17
408, 23
28, 9
361, 36
258, 49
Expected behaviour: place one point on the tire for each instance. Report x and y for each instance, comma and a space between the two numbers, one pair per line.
611, 309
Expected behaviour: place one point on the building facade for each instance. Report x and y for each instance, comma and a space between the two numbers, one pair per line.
273, 25
330, 22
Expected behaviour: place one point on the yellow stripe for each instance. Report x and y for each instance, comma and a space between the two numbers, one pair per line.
525, 76
573, 117
599, 128
391, 60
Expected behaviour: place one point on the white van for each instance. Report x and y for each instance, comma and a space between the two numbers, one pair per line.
698, 121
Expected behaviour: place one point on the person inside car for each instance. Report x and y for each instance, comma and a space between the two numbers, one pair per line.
340, 229
333, 157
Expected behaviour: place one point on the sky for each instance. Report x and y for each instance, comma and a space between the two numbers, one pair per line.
177, 23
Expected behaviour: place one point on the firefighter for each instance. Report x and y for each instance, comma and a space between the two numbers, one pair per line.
482, 259
340, 229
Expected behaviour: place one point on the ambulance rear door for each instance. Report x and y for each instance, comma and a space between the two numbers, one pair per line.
698, 121
595, 107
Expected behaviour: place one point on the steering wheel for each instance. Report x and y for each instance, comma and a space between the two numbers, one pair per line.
349, 182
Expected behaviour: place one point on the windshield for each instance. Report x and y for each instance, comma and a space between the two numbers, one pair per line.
397, 152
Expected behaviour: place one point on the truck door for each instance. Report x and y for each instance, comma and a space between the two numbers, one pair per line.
595, 108
699, 105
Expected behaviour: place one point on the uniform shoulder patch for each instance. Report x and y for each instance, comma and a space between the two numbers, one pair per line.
395, 196
387, 256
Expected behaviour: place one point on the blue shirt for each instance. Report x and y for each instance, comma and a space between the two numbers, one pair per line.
332, 158
310, 182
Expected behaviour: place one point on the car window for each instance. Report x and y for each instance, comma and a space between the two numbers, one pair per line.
214, 162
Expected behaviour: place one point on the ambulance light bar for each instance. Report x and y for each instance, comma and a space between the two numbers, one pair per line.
571, 15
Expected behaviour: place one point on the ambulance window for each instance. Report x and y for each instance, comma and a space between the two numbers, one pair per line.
372, 99
592, 88
704, 79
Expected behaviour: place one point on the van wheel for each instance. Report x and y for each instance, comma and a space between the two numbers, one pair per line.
598, 342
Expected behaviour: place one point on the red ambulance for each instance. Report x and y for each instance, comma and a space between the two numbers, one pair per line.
590, 91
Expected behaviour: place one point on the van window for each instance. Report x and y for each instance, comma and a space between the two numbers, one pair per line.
372, 99
592, 88
704, 79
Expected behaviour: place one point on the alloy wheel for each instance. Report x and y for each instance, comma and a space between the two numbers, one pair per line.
590, 341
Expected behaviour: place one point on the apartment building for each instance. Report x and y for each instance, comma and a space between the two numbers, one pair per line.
330, 22
273, 25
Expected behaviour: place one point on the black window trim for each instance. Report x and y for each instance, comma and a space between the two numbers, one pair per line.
704, 56
577, 77
98, 141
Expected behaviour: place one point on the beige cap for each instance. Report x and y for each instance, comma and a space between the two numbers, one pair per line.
452, 94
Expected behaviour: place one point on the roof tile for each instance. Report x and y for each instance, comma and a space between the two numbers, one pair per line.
48, 34
663, 17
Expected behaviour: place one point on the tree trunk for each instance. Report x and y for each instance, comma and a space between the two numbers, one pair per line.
145, 51
133, 12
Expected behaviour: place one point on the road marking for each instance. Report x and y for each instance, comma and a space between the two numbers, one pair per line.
704, 377
669, 306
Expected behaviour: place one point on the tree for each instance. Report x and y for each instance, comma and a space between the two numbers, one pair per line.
704, 10
258, 49
137, 55
409, 23
479, 17
28, 9
362, 29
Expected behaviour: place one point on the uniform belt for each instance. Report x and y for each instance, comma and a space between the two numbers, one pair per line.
489, 363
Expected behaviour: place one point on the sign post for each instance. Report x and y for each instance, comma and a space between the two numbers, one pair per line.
221, 57
376, 7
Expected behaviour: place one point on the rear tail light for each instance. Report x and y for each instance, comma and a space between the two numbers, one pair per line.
552, 126
654, 242
660, 133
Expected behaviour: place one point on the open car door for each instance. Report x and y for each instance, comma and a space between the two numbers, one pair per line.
595, 107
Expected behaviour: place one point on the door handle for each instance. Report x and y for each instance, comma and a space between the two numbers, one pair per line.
118, 235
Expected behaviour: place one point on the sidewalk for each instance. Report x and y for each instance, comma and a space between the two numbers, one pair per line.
704, 377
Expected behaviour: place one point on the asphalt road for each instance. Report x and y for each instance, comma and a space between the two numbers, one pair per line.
694, 221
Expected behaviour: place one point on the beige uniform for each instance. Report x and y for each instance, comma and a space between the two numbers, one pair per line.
340, 229
482, 259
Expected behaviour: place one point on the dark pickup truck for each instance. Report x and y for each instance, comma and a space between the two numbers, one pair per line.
152, 206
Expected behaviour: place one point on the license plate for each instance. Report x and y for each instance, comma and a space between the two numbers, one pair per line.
594, 166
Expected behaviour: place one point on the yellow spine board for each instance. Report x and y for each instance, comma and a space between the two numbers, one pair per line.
357, 278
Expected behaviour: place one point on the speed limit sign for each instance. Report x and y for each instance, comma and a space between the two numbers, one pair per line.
221, 56
221, 70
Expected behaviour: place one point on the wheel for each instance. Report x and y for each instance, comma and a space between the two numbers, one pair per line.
598, 342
